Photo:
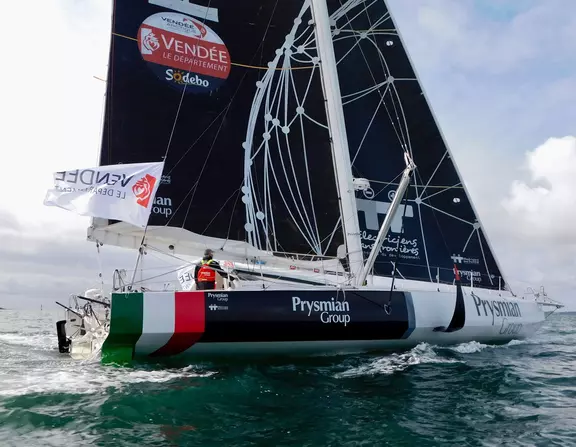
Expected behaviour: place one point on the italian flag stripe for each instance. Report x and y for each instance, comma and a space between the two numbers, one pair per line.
189, 324
158, 322
153, 324
125, 327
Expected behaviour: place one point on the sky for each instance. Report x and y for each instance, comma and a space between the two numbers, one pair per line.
500, 75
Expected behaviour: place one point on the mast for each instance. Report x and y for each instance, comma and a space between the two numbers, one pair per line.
339, 139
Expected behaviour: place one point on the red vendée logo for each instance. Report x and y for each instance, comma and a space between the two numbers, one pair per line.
143, 188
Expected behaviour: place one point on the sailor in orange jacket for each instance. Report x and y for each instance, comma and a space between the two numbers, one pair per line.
205, 272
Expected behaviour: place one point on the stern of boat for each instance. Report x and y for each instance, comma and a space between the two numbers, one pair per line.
85, 326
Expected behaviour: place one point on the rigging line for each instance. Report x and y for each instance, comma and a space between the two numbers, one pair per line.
284, 200
156, 249
267, 29
198, 139
447, 214
249, 177
224, 111
344, 11
442, 234
155, 277
141, 251
484, 258
369, 126
386, 69
182, 95
267, 204
382, 61
221, 124
185, 261
235, 64
222, 207
269, 107
287, 83
443, 189
231, 218
419, 210
331, 236
169, 263
407, 140
387, 185
260, 98
377, 86
401, 132
314, 218
360, 94
202, 170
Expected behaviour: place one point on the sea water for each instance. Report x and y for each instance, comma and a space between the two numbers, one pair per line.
519, 394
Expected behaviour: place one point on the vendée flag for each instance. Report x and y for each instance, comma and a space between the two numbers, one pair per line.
186, 277
122, 192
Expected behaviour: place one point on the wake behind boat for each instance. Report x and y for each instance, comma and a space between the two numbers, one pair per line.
306, 155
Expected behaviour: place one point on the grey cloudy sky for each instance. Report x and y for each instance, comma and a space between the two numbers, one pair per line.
501, 76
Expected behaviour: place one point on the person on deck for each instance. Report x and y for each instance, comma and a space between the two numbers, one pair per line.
205, 272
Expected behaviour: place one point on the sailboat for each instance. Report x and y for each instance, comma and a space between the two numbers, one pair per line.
296, 142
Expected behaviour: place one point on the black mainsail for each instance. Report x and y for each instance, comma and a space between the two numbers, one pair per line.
184, 81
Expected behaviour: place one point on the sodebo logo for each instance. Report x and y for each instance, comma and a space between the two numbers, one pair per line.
186, 78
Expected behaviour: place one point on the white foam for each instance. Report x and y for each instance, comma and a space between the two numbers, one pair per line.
519, 342
39, 341
422, 353
470, 347
74, 378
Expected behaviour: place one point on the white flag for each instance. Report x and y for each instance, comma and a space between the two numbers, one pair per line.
186, 277
118, 192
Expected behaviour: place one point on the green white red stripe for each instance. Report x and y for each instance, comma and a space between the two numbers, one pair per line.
153, 324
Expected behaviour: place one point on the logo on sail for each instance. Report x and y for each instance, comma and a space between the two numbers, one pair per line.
464, 260
371, 212
149, 41
143, 188
162, 206
184, 52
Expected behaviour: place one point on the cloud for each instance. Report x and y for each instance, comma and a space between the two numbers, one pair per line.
544, 206
52, 99
39, 268
533, 222
9, 223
